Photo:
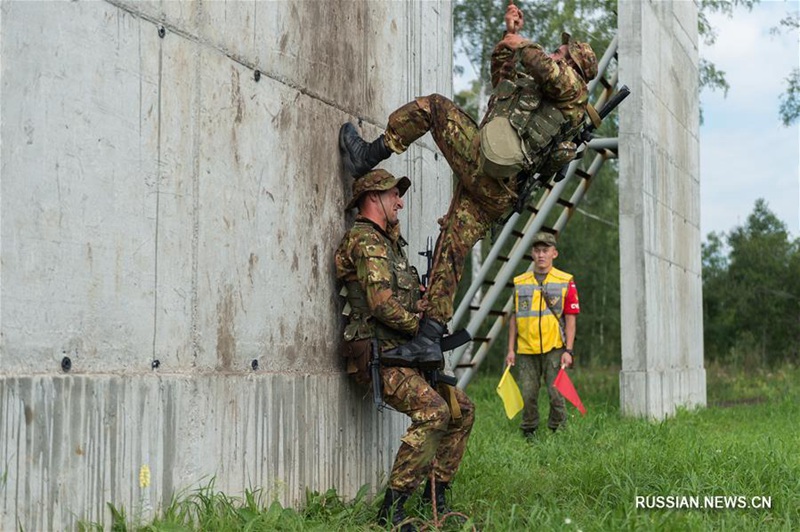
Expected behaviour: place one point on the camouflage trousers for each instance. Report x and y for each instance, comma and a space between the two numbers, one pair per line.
432, 434
479, 200
532, 369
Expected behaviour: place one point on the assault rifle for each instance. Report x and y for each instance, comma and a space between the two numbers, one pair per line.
459, 337
375, 374
428, 254
527, 183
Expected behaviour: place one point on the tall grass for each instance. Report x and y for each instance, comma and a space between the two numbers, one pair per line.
587, 477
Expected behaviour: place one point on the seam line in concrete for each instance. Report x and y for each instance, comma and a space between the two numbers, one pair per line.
238, 59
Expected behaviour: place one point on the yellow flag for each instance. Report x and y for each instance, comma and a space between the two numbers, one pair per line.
509, 393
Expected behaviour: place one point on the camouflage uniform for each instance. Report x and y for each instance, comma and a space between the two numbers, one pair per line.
479, 199
371, 261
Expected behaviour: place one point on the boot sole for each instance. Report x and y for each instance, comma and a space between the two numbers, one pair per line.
349, 167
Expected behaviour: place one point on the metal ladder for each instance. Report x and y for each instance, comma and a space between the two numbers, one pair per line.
553, 196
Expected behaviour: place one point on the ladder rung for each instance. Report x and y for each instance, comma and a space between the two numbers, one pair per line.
566, 203
481, 339
491, 312
518, 234
489, 282
583, 173
465, 366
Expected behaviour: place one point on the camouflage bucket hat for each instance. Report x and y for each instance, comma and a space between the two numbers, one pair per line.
377, 180
583, 55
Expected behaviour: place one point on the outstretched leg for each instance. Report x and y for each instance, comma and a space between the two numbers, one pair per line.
462, 227
454, 132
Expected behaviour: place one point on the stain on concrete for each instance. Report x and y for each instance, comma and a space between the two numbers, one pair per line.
295, 262
251, 264
28, 415
237, 103
236, 96
315, 263
226, 340
28, 130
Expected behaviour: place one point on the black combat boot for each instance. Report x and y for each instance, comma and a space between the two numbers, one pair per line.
358, 155
441, 500
393, 509
424, 351
442, 507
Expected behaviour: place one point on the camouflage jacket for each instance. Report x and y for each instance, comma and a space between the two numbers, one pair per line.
382, 288
558, 82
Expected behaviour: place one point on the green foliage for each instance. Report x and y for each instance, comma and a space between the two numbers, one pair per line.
790, 100
478, 25
468, 100
589, 250
586, 477
789, 110
751, 293
726, 7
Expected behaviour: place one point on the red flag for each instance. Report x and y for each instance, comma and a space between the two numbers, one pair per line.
564, 385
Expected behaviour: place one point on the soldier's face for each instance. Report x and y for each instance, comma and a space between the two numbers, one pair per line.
543, 257
392, 205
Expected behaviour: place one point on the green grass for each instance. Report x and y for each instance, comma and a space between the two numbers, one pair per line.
746, 443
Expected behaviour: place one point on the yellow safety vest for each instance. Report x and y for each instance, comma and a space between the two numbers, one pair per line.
539, 328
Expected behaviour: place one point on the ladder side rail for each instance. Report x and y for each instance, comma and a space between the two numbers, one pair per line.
507, 270
478, 279
461, 354
466, 375
474, 364
602, 66
497, 246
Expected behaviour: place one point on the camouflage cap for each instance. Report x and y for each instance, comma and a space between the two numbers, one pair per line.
377, 180
583, 55
545, 238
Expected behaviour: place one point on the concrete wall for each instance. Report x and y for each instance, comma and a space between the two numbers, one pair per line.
661, 300
159, 203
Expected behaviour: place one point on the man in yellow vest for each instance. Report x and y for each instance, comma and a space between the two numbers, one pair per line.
542, 331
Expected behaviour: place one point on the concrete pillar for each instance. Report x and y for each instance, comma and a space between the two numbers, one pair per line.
661, 300
171, 201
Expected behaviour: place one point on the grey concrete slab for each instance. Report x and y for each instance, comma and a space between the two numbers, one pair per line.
158, 202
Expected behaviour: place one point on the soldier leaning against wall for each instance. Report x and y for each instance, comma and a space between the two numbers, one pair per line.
383, 292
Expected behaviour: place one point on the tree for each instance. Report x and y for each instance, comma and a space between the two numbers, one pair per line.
717, 316
478, 25
591, 250
790, 100
751, 296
